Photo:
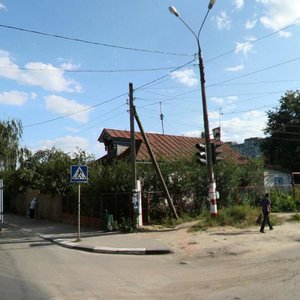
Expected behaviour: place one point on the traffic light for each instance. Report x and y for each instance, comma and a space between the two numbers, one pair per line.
201, 154
217, 133
216, 153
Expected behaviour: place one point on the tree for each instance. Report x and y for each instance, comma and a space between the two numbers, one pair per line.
10, 134
281, 146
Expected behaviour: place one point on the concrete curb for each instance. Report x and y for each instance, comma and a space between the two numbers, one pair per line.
107, 250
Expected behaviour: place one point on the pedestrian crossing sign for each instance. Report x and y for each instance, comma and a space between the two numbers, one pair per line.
79, 174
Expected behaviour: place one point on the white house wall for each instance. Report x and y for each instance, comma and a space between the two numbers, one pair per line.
273, 178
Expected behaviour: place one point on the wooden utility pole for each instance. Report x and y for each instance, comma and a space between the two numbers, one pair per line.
132, 138
157, 169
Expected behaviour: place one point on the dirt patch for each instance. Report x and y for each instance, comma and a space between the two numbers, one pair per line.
224, 241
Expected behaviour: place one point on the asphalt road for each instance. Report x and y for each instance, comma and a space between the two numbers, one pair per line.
32, 268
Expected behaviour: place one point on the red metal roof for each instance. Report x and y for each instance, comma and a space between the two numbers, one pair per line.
167, 147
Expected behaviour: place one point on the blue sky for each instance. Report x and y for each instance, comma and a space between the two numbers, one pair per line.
65, 67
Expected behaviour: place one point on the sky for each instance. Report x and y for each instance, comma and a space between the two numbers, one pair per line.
66, 65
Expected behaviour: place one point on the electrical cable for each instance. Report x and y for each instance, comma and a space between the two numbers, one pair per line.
253, 42
74, 113
105, 101
254, 72
91, 42
89, 71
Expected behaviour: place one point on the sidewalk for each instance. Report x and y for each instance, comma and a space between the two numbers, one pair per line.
90, 240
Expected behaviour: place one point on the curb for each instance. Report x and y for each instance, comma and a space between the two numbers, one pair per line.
108, 250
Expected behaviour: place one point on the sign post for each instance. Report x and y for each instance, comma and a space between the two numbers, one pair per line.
79, 174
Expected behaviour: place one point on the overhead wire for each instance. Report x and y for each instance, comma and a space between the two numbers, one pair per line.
92, 42
153, 82
89, 70
105, 101
74, 113
254, 41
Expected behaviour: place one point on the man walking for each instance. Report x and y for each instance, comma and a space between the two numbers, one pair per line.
266, 209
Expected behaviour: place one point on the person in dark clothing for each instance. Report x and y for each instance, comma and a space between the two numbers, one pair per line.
266, 209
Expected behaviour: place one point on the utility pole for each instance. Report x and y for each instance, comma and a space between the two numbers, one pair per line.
132, 138
162, 119
155, 164
210, 171
135, 198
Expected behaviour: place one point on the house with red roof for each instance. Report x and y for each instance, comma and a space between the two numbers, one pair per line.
165, 147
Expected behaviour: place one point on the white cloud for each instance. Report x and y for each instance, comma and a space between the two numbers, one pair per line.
186, 77
192, 133
69, 66
235, 69
2, 6
67, 143
224, 101
214, 115
63, 106
279, 14
239, 4
231, 99
15, 98
247, 125
250, 124
70, 144
222, 21
39, 74
245, 47
217, 100
250, 24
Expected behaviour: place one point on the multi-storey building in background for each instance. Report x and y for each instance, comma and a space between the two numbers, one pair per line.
250, 148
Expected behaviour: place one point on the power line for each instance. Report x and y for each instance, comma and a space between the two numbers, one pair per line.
254, 41
88, 70
254, 72
105, 101
74, 113
164, 76
91, 42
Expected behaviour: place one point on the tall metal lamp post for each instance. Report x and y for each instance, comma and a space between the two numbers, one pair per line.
210, 172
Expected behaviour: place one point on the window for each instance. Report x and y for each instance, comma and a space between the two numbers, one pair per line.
278, 180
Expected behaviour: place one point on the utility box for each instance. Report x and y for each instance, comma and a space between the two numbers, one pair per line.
1, 204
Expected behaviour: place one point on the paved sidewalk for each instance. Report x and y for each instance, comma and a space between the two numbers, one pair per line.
90, 240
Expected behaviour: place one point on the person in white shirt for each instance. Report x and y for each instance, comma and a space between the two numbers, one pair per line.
32, 207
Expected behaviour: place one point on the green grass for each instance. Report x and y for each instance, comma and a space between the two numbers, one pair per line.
236, 216
294, 218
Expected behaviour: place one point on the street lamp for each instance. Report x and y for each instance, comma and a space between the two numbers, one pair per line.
210, 172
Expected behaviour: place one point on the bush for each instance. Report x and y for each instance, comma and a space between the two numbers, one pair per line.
282, 202
237, 216
127, 225
294, 218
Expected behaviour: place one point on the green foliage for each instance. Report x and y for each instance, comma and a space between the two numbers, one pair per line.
239, 216
230, 177
44, 170
183, 178
109, 178
10, 134
47, 171
282, 202
283, 129
127, 226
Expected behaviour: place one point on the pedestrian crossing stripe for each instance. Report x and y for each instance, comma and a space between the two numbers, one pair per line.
79, 174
